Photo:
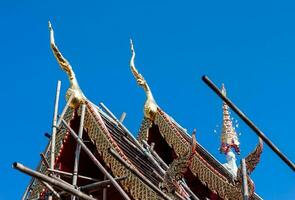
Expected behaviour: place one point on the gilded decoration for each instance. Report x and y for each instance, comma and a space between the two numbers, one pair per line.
206, 173
78, 96
150, 106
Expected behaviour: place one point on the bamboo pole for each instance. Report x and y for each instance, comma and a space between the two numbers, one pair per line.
123, 116
49, 187
51, 181
44, 160
100, 184
52, 156
139, 175
96, 162
108, 112
189, 191
93, 187
244, 180
52, 151
104, 191
248, 122
68, 174
28, 189
164, 165
24, 197
143, 151
64, 110
78, 150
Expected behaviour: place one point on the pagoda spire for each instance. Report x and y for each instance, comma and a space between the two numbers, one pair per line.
150, 106
229, 138
74, 90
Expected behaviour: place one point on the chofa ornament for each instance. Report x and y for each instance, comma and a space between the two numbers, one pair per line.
74, 89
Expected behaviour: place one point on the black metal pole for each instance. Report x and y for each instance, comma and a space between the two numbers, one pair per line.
248, 122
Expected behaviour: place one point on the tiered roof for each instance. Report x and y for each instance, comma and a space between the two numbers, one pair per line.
164, 162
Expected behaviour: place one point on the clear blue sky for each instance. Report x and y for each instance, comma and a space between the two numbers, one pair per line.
249, 45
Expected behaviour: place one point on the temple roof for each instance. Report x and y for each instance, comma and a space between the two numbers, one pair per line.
164, 162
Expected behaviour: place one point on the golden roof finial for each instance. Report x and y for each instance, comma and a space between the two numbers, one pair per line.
74, 89
150, 106
229, 138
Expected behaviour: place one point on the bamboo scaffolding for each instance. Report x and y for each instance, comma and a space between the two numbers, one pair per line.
134, 154
52, 181
78, 150
49, 187
187, 189
244, 180
48, 147
141, 177
148, 155
28, 189
156, 159
60, 180
93, 187
96, 162
68, 174
52, 150
44, 160
164, 165
248, 122
100, 184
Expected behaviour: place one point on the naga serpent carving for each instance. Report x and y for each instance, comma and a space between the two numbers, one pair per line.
177, 169
150, 106
74, 89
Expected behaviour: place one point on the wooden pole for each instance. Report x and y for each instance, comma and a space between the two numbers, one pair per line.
96, 162
139, 175
78, 150
248, 122
52, 151
244, 180
51, 181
